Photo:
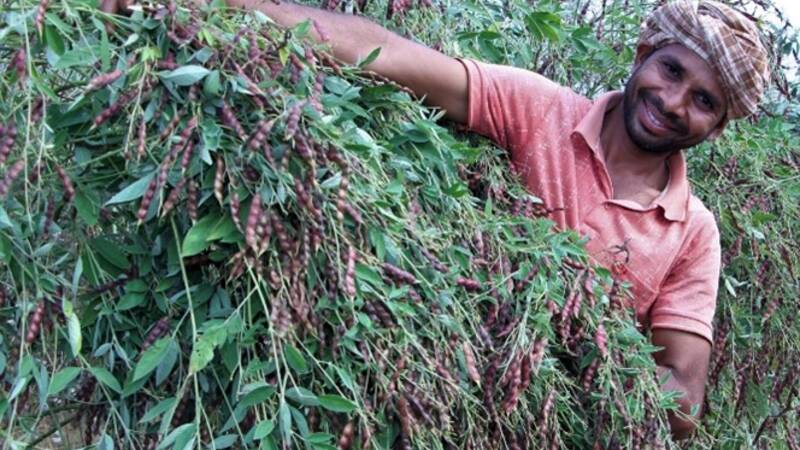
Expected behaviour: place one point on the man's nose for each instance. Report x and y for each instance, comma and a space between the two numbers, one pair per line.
674, 101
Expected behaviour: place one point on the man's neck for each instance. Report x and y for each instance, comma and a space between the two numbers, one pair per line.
627, 164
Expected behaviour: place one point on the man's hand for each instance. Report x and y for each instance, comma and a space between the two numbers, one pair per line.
685, 360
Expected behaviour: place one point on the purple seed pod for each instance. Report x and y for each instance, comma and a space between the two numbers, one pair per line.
469, 284
435, 263
293, 119
235, 207
219, 180
186, 158
253, 218
10, 176
283, 236
330, 5
66, 183
39, 21
191, 201
172, 198
20, 64
141, 138
316, 92
49, 216
103, 80
350, 273
147, 199
230, 120
35, 322
263, 231
158, 331
115, 108
167, 131
8, 136
398, 274
258, 139
37, 110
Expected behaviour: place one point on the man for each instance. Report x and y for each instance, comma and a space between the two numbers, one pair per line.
612, 169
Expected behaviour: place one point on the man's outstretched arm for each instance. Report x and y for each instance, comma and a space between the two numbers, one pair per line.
684, 360
440, 79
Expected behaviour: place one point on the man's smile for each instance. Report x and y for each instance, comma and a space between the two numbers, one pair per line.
652, 120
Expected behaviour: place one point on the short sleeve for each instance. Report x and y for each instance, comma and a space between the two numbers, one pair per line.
688, 296
505, 102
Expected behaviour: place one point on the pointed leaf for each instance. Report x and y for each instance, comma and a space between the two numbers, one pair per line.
62, 379
336, 403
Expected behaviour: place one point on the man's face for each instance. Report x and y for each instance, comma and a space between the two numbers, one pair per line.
672, 101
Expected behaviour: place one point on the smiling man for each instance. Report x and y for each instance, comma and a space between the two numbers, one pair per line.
612, 168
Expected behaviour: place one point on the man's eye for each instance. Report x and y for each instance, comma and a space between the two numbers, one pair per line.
705, 101
672, 69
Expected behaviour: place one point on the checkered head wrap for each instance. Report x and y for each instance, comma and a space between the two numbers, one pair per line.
724, 38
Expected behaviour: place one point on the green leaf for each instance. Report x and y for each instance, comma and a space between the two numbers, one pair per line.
105, 377
263, 428
196, 238
168, 363
259, 393
151, 358
157, 410
53, 38
285, 420
212, 85
373, 55
203, 350
110, 251
106, 443
302, 396
368, 274
84, 57
62, 379
336, 403
185, 76
137, 285
132, 191
73, 326
224, 441
129, 301
223, 228
86, 208
180, 436
295, 359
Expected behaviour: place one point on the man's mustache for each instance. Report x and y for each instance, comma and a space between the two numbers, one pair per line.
672, 120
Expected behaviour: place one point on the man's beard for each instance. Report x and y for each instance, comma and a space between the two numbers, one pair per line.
633, 99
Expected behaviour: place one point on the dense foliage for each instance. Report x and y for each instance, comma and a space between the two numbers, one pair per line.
214, 235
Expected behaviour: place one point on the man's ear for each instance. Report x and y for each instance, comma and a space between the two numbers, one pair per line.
642, 52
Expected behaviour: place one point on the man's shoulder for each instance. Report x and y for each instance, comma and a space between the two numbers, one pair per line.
526, 79
700, 219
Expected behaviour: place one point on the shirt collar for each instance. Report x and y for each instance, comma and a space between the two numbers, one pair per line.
675, 201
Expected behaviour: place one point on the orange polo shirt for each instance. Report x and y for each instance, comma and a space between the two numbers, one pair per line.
553, 134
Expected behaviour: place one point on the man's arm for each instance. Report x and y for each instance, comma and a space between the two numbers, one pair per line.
685, 359
441, 79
